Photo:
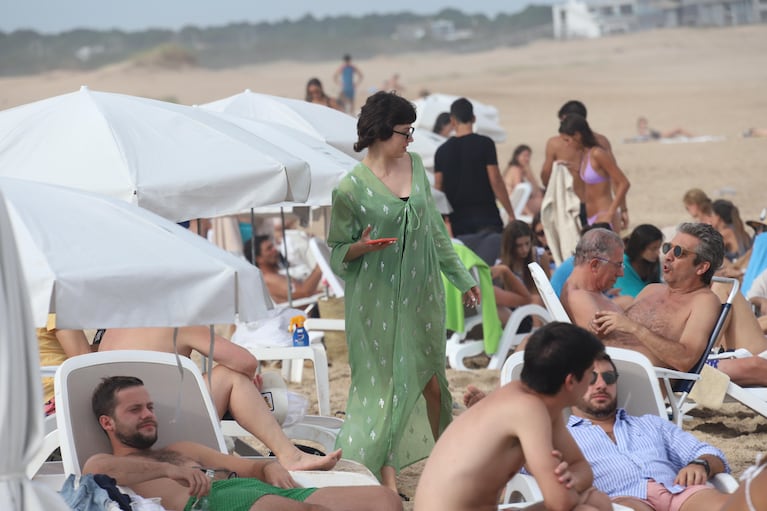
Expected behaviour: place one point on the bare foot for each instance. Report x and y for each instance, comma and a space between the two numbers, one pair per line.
303, 461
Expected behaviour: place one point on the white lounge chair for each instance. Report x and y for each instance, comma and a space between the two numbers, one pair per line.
183, 407
638, 393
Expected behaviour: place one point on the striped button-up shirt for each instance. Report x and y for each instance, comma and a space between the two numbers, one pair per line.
647, 447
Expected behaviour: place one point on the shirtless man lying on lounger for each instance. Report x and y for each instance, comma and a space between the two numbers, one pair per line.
669, 323
176, 473
235, 385
520, 424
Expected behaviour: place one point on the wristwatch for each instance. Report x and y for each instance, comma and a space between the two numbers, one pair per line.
703, 463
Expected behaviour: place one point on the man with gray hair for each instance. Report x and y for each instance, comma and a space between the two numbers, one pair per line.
598, 264
669, 323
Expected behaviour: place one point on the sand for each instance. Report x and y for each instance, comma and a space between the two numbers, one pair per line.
709, 81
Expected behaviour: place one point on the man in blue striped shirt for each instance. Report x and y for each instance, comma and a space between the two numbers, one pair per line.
646, 463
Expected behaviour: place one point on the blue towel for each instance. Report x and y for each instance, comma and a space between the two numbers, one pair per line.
756, 264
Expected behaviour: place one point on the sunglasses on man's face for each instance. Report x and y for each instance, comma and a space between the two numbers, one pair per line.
677, 250
609, 377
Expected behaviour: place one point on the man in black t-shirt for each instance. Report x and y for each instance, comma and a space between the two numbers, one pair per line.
466, 169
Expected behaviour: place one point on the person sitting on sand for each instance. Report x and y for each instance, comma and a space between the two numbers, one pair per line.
518, 171
645, 132
520, 424
176, 474
234, 385
638, 461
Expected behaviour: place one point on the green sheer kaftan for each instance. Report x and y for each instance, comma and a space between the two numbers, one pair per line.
395, 316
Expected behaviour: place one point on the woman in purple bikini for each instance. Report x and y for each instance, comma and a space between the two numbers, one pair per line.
606, 184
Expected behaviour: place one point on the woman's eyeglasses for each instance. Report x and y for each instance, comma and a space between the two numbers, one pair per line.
609, 377
677, 250
540, 234
406, 134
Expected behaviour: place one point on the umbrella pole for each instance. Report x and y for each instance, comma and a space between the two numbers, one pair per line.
253, 236
287, 263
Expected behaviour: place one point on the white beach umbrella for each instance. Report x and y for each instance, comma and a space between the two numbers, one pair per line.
178, 161
488, 122
98, 262
327, 165
21, 430
332, 126
327, 124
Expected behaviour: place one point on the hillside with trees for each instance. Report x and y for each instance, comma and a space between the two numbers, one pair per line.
28, 52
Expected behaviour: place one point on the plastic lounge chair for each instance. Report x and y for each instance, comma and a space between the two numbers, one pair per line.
677, 384
176, 386
518, 198
638, 393
321, 253
548, 295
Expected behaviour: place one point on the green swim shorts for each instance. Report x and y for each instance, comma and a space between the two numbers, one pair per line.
239, 494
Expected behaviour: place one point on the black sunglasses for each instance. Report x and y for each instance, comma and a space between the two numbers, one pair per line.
609, 377
677, 250
406, 134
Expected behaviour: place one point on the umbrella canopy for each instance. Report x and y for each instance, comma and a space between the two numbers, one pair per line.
98, 262
178, 161
327, 164
431, 106
21, 430
327, 124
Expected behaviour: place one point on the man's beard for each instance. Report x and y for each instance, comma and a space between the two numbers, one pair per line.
137, 440
601, 411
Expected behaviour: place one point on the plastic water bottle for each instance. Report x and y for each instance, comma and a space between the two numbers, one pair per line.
202, 503
300, 335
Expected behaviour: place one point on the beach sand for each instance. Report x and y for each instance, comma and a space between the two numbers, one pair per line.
709, 81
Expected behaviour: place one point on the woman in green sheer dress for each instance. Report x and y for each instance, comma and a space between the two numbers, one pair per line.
394, 298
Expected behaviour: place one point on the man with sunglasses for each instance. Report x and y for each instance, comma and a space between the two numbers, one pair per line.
466, 169
647, 462
669, 323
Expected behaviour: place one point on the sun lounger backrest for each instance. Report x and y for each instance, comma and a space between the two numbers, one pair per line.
80, 433
548, 295
686, 385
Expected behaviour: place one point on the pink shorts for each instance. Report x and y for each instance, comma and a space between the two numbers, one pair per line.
660, 499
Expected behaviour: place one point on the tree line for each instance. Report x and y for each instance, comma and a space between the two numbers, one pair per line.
28, 52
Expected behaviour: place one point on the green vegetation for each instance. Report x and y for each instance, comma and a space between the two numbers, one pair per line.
27, 52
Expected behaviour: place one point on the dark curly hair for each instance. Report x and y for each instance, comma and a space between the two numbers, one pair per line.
381, 112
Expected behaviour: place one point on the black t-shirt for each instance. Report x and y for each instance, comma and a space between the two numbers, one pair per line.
463, 163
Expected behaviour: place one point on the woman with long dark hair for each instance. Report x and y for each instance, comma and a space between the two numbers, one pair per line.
641, 260
605, 184
389, 243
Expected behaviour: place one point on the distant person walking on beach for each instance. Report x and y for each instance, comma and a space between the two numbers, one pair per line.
316, 94
349, 77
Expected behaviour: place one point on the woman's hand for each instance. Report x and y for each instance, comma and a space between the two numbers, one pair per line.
471, 298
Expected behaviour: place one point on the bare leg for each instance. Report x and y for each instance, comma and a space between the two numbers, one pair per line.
742, 329
271, 502
708, 499
233, 391
356, 498
746, 372
432, 394
389, 478
635, 504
